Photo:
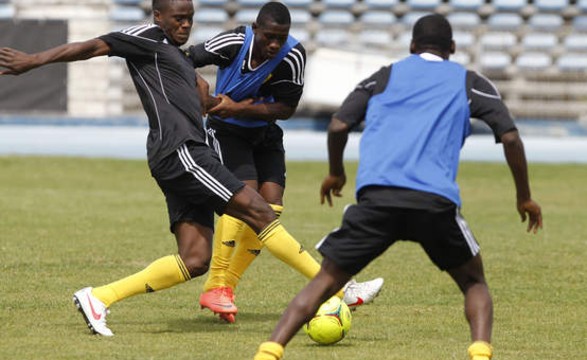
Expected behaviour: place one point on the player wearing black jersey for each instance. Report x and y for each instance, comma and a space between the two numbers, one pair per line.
416, 114
189, 173
260, 80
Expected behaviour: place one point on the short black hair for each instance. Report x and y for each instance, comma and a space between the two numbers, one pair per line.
274, 11
432, 31
160, 5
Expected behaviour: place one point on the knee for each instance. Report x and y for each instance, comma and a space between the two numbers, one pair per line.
196, 266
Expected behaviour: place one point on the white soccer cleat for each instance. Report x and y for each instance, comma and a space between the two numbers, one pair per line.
93, 310
361, 293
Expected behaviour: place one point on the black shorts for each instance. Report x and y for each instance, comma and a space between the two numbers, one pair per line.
251, 153
203, 187
368, 230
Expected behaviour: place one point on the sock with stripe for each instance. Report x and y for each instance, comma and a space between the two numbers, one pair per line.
247, 249
480, 350
284, 247
160, 274
226, 237
269, 351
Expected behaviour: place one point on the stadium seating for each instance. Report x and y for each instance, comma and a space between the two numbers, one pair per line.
126, 14
381, 4
6, 11
551, 5
508, 5
470, 5
419, 5
533, 61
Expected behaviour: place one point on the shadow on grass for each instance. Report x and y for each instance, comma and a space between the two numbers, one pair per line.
206, 322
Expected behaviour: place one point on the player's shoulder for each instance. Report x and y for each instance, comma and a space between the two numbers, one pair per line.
145, 31
478, 83
226, 39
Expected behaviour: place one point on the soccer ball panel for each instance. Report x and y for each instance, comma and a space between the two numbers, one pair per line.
331, 323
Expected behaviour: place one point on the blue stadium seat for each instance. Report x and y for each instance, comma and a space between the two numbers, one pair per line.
576, 42
346, 4
409, 19
539, 41
582, 5
572, 62
466, 4
509, 5
336, 17
580, 23
495, 61
533, 61
333, 37
380, 4
6, 11
246, 16
207, 3
464, 20
300, 33
549, 22
251, 3
375, 37
210, 16
298, 3
551, 5
505, 21
300, 16
126, 14
423, 4
202, 33
463, 39
378, 18
502, 40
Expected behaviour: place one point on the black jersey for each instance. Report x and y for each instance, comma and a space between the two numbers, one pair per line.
286, 82
166, 83
485, 102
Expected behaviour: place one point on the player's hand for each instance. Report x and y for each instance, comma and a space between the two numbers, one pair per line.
228, 107
17, 62
331, 185
531, 210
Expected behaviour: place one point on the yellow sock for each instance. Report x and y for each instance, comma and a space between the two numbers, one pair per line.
228, 232
160, 274
480, 350
284, 247
269, 351
247, 249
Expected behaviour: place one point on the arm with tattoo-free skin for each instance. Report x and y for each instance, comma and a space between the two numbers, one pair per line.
516, 159
250, 108
18, 62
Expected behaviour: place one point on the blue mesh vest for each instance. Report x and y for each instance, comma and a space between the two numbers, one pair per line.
231, 81
415, 128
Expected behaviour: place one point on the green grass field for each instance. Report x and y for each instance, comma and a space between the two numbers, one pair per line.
66, 223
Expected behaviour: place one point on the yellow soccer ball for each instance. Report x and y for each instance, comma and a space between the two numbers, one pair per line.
331, 323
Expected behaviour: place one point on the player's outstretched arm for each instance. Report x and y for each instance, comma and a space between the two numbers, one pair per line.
338, 134
516, 159
17, 62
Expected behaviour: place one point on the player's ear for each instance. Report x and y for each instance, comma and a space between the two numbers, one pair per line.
453, 47
157, 16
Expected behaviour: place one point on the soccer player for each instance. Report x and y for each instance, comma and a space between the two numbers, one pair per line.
416, 114
188, 171
260, 80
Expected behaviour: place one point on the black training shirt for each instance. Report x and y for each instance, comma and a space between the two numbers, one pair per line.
166, 83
